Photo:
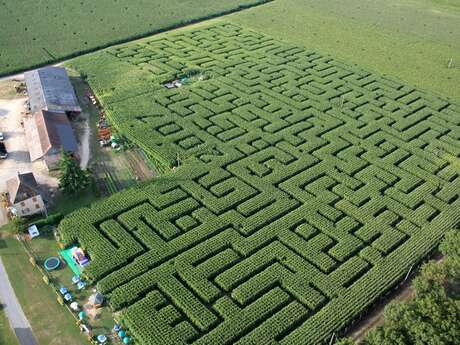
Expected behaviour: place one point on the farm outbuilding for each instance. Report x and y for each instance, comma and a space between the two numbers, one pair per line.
24, 194
49, 88
46, 133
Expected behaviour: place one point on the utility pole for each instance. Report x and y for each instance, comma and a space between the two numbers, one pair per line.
407, 275
332, 339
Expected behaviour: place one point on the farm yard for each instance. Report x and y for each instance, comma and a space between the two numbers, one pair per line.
280, 175
74, 27
113, 170
297, 189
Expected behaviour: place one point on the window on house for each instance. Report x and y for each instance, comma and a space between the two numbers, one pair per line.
34, 199
37, 206
23, 203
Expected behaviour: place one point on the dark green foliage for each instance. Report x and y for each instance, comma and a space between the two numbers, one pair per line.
451, 243
432, 317
52, 219
73, 179
41, 32
306, 189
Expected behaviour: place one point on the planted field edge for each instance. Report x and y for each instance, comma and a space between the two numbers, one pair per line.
181, 24
308, 185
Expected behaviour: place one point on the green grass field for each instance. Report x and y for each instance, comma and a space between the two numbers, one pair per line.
409, 39
7, 336
40, 32
297, 190
44, 247
51, 323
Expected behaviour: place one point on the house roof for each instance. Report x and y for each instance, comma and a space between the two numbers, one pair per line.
47, 132
96, 298
49, 88
22, 187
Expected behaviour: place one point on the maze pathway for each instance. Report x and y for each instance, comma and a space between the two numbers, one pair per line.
307, 188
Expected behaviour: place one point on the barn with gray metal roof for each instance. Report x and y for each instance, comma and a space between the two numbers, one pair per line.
50, 89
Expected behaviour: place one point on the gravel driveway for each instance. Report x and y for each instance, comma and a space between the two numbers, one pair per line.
18, 155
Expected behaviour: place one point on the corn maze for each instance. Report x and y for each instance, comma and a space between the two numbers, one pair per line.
306, 189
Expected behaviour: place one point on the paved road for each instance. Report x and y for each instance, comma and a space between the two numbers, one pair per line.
13, 310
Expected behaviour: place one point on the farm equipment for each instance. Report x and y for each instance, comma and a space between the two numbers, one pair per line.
104, 128
21, 88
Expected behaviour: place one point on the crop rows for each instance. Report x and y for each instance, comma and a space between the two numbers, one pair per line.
305, 188
75, 27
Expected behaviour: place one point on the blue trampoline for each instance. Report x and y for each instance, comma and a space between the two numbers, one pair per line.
52, 263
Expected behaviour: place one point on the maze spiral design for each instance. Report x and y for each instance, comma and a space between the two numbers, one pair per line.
309, 187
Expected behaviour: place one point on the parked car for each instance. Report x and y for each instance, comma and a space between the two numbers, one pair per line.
3, 153
2, 137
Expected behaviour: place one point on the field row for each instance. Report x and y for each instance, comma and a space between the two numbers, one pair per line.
304, 188
73, 28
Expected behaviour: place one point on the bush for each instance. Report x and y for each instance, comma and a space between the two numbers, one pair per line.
52, 219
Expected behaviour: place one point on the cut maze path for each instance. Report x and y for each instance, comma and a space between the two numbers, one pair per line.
307, 188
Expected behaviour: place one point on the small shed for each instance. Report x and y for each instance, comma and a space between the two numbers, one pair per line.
33, 231
96, 300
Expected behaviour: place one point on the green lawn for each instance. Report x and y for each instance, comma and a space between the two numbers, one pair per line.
51, 323
44, 247
7, 336
65, 204
407, 39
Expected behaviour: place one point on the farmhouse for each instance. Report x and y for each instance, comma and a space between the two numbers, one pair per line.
24, 195
50, 89
46, 133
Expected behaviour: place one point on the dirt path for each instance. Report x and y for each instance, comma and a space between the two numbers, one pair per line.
138, 166
375, 318
13, 310
85, 145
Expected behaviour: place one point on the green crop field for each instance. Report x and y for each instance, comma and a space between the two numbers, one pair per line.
411, 39
40, 32
303, 188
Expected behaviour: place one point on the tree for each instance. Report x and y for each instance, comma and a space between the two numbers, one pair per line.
17, 224
73, 179
431, 318
451, 243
